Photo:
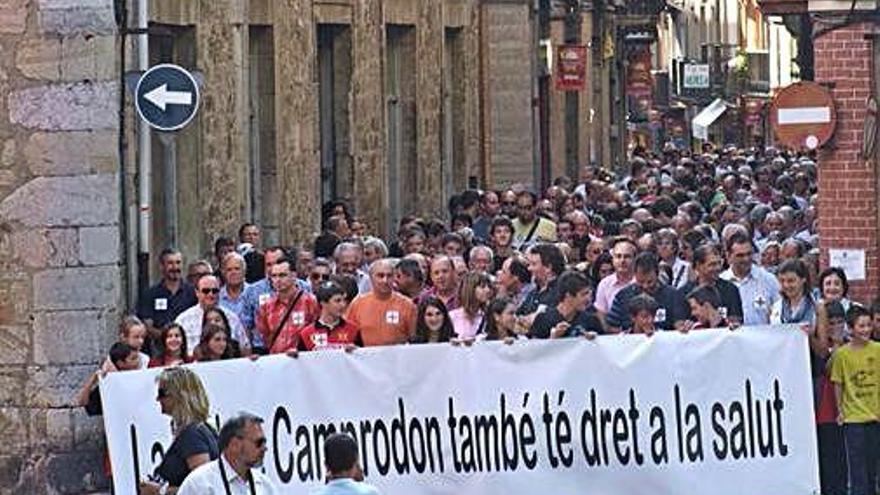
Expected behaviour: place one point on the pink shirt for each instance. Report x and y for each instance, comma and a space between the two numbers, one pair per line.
607, 289
463, 326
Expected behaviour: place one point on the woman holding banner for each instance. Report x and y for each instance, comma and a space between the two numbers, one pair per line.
182, 396
215, 344
796, 304
172, 347
433, 324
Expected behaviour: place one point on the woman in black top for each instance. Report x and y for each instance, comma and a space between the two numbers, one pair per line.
182, 396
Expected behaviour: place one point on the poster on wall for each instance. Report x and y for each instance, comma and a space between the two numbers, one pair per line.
639, 85
571, 68
639, 81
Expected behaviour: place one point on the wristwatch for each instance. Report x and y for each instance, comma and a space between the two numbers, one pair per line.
163, 488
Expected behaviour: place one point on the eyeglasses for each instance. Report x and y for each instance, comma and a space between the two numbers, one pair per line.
319, 276
162, 393
508, 203
258, 442
209, 290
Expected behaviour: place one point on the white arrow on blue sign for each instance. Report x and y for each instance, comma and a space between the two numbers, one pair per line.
167, 97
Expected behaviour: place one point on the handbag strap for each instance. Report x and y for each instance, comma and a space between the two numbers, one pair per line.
528, 238
271, 340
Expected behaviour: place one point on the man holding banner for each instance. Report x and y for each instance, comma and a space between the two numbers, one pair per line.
242, 445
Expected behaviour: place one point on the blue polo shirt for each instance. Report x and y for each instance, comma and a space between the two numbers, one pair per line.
234, 305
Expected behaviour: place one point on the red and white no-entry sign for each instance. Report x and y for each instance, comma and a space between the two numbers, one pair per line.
802, 115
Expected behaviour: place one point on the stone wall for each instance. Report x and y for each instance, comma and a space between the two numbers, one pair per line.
59, 236
368, 114
508, 81
291, 191
296, 152
222, 56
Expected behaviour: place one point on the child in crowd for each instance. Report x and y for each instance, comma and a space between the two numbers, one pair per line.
122, 357
832, 453
133, 332
875, 317
172, 348
570, 317
704, 302
213, 344
216, 316
642, 311
330, 330
856, 377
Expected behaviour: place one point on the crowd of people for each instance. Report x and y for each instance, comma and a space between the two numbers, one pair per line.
686, 241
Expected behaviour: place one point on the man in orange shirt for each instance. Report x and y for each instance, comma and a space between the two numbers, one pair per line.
384, 317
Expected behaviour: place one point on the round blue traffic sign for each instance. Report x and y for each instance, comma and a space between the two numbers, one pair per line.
167, 97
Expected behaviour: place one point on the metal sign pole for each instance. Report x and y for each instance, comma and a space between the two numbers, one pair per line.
169, 185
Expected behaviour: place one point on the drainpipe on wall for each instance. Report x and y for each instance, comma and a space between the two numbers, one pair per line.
144, 157
543, 180
121, 16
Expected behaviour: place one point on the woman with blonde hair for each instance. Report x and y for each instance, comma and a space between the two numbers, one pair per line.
475, 293
182, 396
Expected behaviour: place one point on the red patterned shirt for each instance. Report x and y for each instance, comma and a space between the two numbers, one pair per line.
319, 337
270, 313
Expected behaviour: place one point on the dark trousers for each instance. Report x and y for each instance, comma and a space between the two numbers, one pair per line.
862, 450
832, 459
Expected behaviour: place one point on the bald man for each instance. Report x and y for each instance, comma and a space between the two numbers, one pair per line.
383, 316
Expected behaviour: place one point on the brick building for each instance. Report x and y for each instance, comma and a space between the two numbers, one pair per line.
846, 59
842, 40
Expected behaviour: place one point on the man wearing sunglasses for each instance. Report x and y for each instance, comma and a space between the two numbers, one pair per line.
528, 227
243, 446
208, 295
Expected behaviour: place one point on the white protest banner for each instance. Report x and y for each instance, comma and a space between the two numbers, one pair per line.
623, 414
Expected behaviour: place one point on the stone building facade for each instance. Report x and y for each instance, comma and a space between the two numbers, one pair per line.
60, 272
391, 105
